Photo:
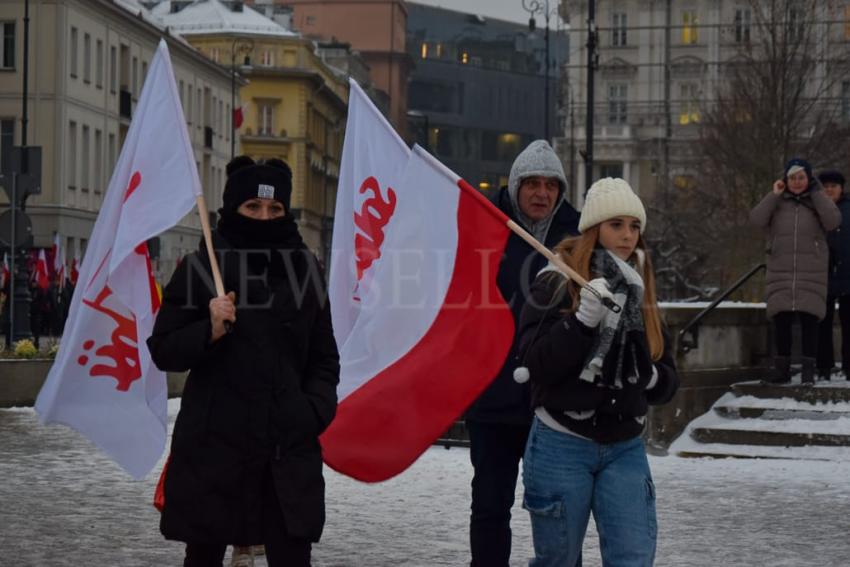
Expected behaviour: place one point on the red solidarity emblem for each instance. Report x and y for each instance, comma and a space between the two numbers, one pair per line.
374, 215
123, 350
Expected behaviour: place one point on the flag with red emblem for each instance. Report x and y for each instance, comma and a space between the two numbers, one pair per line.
103, 383
421, 325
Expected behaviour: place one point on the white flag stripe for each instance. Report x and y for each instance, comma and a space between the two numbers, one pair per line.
103, 383
409, 288
371, 149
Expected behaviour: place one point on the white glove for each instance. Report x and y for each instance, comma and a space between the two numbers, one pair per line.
590, 309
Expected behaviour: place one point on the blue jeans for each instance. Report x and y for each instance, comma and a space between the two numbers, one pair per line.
567, 477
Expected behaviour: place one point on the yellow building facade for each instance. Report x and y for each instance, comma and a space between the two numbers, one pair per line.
294, 108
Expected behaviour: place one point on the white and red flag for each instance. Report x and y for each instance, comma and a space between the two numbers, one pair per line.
103, 383
40, 274
59, 260
74, 273
5, 273
429, 330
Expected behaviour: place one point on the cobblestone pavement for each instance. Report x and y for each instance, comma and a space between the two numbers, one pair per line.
63, 504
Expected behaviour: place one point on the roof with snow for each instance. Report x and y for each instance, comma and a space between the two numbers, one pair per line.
214, 16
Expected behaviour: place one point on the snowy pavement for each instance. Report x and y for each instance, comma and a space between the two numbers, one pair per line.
63, 504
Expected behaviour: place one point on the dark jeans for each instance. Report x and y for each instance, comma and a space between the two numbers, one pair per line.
826, 356
281, 550
495, 451
782, 322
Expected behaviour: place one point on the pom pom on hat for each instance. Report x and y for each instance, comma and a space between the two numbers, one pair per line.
521, 375
609, 198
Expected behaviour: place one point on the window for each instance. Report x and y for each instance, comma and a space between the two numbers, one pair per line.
134, 78
618, 29
690, 34
610, 170
85, 182
111, 163
7, 140
72, 155
689, 101
267, 58
845, 101
113, 70
424, 50
98, 71
265, 113
617, 95
144, 72
684, 182
796, 23
7, 47
214, 54
87, 58
743, 21
73, 52
189, 105
230, 117
198, 107
98, 161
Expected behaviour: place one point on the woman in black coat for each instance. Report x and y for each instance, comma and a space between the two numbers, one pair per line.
246, 464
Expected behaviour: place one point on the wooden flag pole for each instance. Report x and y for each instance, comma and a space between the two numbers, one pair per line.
561, 266
205, 226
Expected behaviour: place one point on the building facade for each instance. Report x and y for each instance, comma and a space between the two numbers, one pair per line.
87, 63
376, 30
476, 95
660, 63
294, 105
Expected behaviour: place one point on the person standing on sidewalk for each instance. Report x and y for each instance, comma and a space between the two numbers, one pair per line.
246, 464
796, 215
839, 280
498, 422
593, 373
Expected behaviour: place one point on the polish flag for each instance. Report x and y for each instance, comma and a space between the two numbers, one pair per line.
59, 260
238, 118
42, 278
103, 383
430, 331
74, 274
5, 273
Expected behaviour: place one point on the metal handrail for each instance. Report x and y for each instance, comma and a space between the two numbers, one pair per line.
689, 343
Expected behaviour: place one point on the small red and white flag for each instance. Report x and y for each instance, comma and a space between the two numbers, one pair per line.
5, 273
103, 383
432, 329
74, 273
59, 260
41, 275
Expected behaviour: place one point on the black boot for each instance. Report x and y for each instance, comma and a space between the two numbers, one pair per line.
781, 369
824, 374
808, 376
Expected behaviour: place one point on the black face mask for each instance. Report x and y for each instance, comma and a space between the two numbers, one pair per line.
244, 232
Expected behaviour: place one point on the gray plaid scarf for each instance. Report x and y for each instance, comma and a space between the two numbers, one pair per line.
626, 284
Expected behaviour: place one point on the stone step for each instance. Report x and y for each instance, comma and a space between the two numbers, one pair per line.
733, 436
822, 393
724, 451
814, 414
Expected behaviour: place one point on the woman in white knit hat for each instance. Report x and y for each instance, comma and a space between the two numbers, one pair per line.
593, 374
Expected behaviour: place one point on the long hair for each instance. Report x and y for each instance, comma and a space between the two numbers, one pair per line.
577, 253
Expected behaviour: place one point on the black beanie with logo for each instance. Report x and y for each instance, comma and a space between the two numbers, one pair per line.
247, 179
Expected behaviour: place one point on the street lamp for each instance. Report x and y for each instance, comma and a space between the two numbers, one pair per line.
541, 7
241, 46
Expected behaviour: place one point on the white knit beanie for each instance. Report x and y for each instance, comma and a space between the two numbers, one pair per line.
609, 198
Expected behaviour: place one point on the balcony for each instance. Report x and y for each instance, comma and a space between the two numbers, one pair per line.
125, 104
208, 137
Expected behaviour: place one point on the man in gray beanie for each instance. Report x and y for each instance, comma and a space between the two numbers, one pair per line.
499, 421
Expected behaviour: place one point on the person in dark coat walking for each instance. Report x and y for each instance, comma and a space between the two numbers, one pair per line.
796, 215
839, 279
498, 422
246, 464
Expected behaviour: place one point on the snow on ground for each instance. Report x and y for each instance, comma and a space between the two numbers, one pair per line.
64, 504
730, 400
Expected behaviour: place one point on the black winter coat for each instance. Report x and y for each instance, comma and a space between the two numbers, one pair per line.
506, 401
254, 403
839, 253
556, 347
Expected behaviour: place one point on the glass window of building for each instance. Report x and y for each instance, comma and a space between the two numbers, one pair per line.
690, 33
7, 46
618, 29
743, 23
617, 103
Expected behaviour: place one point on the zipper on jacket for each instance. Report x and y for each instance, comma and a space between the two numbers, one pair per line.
794, 271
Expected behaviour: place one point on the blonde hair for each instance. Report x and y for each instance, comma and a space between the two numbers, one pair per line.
577, 253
